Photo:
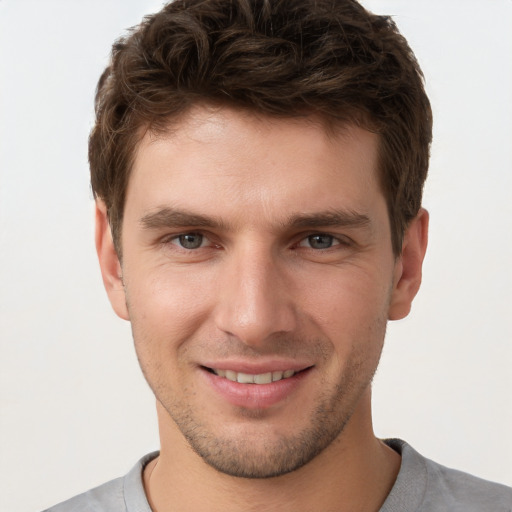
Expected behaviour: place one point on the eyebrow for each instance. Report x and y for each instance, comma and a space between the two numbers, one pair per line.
167, 217
173, 218
340, 218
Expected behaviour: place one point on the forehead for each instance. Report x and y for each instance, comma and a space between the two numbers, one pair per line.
236, 161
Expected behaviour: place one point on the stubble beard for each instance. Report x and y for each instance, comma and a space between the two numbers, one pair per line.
261, 458
272, 456
269, 456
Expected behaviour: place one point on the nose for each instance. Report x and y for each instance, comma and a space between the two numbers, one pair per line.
255, 299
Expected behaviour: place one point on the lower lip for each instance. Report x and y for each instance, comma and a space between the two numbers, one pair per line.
255, 396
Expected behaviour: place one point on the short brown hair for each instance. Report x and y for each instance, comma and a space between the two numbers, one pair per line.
330, 58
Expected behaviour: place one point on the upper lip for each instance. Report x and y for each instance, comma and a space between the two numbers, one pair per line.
259, 367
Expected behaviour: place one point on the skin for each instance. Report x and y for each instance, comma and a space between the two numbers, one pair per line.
289, 262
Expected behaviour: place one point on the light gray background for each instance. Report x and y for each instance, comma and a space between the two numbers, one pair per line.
75, 409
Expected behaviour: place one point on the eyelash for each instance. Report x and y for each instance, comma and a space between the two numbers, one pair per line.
335, 241
180, 238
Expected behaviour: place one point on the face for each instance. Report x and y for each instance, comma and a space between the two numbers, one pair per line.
258, 277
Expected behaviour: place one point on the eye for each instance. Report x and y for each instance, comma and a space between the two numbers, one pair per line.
319, 241
189, 240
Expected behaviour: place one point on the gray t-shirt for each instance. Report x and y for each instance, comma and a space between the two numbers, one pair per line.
421, 486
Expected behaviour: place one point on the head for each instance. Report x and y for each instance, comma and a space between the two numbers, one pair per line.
285, 59
260, 165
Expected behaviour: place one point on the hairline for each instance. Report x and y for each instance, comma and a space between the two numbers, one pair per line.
333, 125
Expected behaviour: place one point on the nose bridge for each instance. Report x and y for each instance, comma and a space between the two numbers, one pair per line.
254, 302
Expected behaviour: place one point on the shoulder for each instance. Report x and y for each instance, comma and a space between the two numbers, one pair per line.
426, 486
466, 492
125, 494
106, 497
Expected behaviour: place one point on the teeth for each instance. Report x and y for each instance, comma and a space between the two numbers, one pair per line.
245, 378
277, 376
231, 375
261, 378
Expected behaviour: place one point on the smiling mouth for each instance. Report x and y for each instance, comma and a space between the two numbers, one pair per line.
248, 378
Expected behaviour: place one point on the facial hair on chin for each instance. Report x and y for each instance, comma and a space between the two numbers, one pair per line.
274, 456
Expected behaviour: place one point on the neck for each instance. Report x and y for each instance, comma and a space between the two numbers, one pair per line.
354, 473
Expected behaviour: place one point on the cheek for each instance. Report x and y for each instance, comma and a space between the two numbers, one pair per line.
350, 310
165, 313
167, 308
347, 299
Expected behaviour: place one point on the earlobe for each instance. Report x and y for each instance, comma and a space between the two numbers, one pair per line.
408, 268
109, 262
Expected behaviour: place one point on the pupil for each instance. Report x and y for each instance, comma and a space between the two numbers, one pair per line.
320, 241
191, 240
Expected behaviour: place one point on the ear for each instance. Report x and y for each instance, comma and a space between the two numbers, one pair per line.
109, 262
408, 266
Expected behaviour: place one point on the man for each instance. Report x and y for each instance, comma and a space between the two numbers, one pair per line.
258, 170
